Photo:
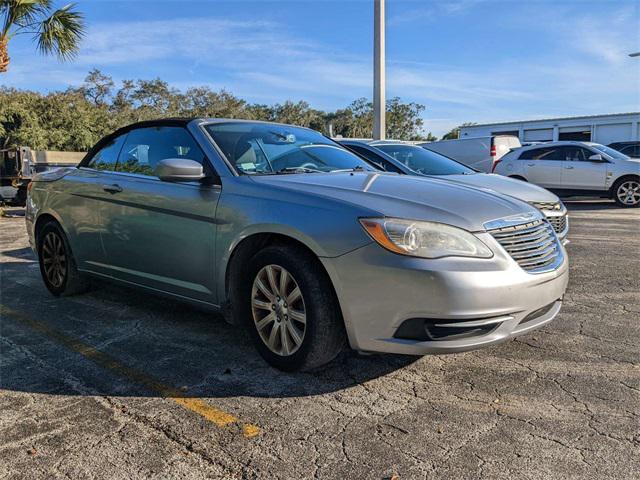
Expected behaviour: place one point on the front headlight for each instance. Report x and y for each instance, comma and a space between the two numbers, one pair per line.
424, 239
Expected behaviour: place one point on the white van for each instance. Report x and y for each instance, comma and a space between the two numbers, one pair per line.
481, 153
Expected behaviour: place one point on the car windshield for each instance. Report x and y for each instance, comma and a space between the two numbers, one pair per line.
615, 154
264, 148
425, 161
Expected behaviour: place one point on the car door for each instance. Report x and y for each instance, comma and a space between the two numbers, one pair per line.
580, 173
81, 209
542, 166
156, 233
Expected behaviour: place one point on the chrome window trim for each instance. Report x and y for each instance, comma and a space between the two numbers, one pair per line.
150, 178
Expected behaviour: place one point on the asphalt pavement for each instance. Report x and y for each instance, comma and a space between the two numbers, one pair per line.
122, 384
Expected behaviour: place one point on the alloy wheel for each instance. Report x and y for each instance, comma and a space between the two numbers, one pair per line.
278, 309
54, 259
629, 192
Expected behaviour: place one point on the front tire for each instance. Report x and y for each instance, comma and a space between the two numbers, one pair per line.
290, 309
57, 265
626, 192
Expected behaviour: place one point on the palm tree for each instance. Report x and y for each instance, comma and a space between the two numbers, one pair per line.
57, 32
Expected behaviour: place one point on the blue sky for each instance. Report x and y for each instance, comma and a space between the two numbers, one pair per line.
465, 60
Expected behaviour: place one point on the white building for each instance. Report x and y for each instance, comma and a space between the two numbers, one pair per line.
604, 129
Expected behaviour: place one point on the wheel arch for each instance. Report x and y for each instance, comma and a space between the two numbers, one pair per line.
42, 219
518, 177
245, 249
621, 178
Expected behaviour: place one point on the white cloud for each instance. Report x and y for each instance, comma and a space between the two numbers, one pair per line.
431, 11
585, 71
199, 39
608, 39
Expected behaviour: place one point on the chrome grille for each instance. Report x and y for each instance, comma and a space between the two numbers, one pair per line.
559, 224
547, 206
533, 245
553, 212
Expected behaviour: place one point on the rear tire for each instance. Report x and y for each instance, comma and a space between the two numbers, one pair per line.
626, 192
289, 308
57, 265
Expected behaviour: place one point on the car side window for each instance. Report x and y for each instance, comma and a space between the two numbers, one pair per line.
107, 157
585, 154
144, 148
547, 153
376, 160
573, 154
631, 150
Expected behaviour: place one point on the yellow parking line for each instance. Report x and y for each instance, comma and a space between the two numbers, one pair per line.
196, 405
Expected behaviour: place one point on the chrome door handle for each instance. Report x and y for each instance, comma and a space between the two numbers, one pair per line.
569, 167
112, 188
530, 164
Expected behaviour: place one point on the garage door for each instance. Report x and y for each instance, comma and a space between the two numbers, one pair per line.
581, 133
538, 135
619, 132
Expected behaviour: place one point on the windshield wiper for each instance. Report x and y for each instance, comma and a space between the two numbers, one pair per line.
298, 170
359, 168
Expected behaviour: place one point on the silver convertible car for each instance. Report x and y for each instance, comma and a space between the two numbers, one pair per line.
299, 240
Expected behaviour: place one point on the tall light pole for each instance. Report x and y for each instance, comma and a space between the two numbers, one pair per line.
379, 74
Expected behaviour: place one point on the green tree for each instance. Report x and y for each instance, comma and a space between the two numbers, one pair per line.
203, 102
98, 88
298, 113
19, 121
76, 118
154, 98
454, 133
56, 32
355, 121
429, 137
404, 121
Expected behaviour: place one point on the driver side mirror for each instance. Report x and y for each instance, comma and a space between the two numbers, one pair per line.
179, 170
596, 157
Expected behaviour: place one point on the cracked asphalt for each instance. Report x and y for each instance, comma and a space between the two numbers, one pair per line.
120, 384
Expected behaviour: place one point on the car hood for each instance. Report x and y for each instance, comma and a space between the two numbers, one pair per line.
507, 186
416, 198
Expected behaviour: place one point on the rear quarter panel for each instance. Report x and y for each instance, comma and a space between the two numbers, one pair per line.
510, 165
78, 218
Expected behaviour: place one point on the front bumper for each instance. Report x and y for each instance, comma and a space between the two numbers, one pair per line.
379, 291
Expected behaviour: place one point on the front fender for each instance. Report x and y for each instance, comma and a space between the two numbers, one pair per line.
327, 228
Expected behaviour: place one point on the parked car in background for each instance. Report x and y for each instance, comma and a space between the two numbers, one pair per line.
297, 239
480, 153
630, 149
577, 168
19, 165
407, 159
